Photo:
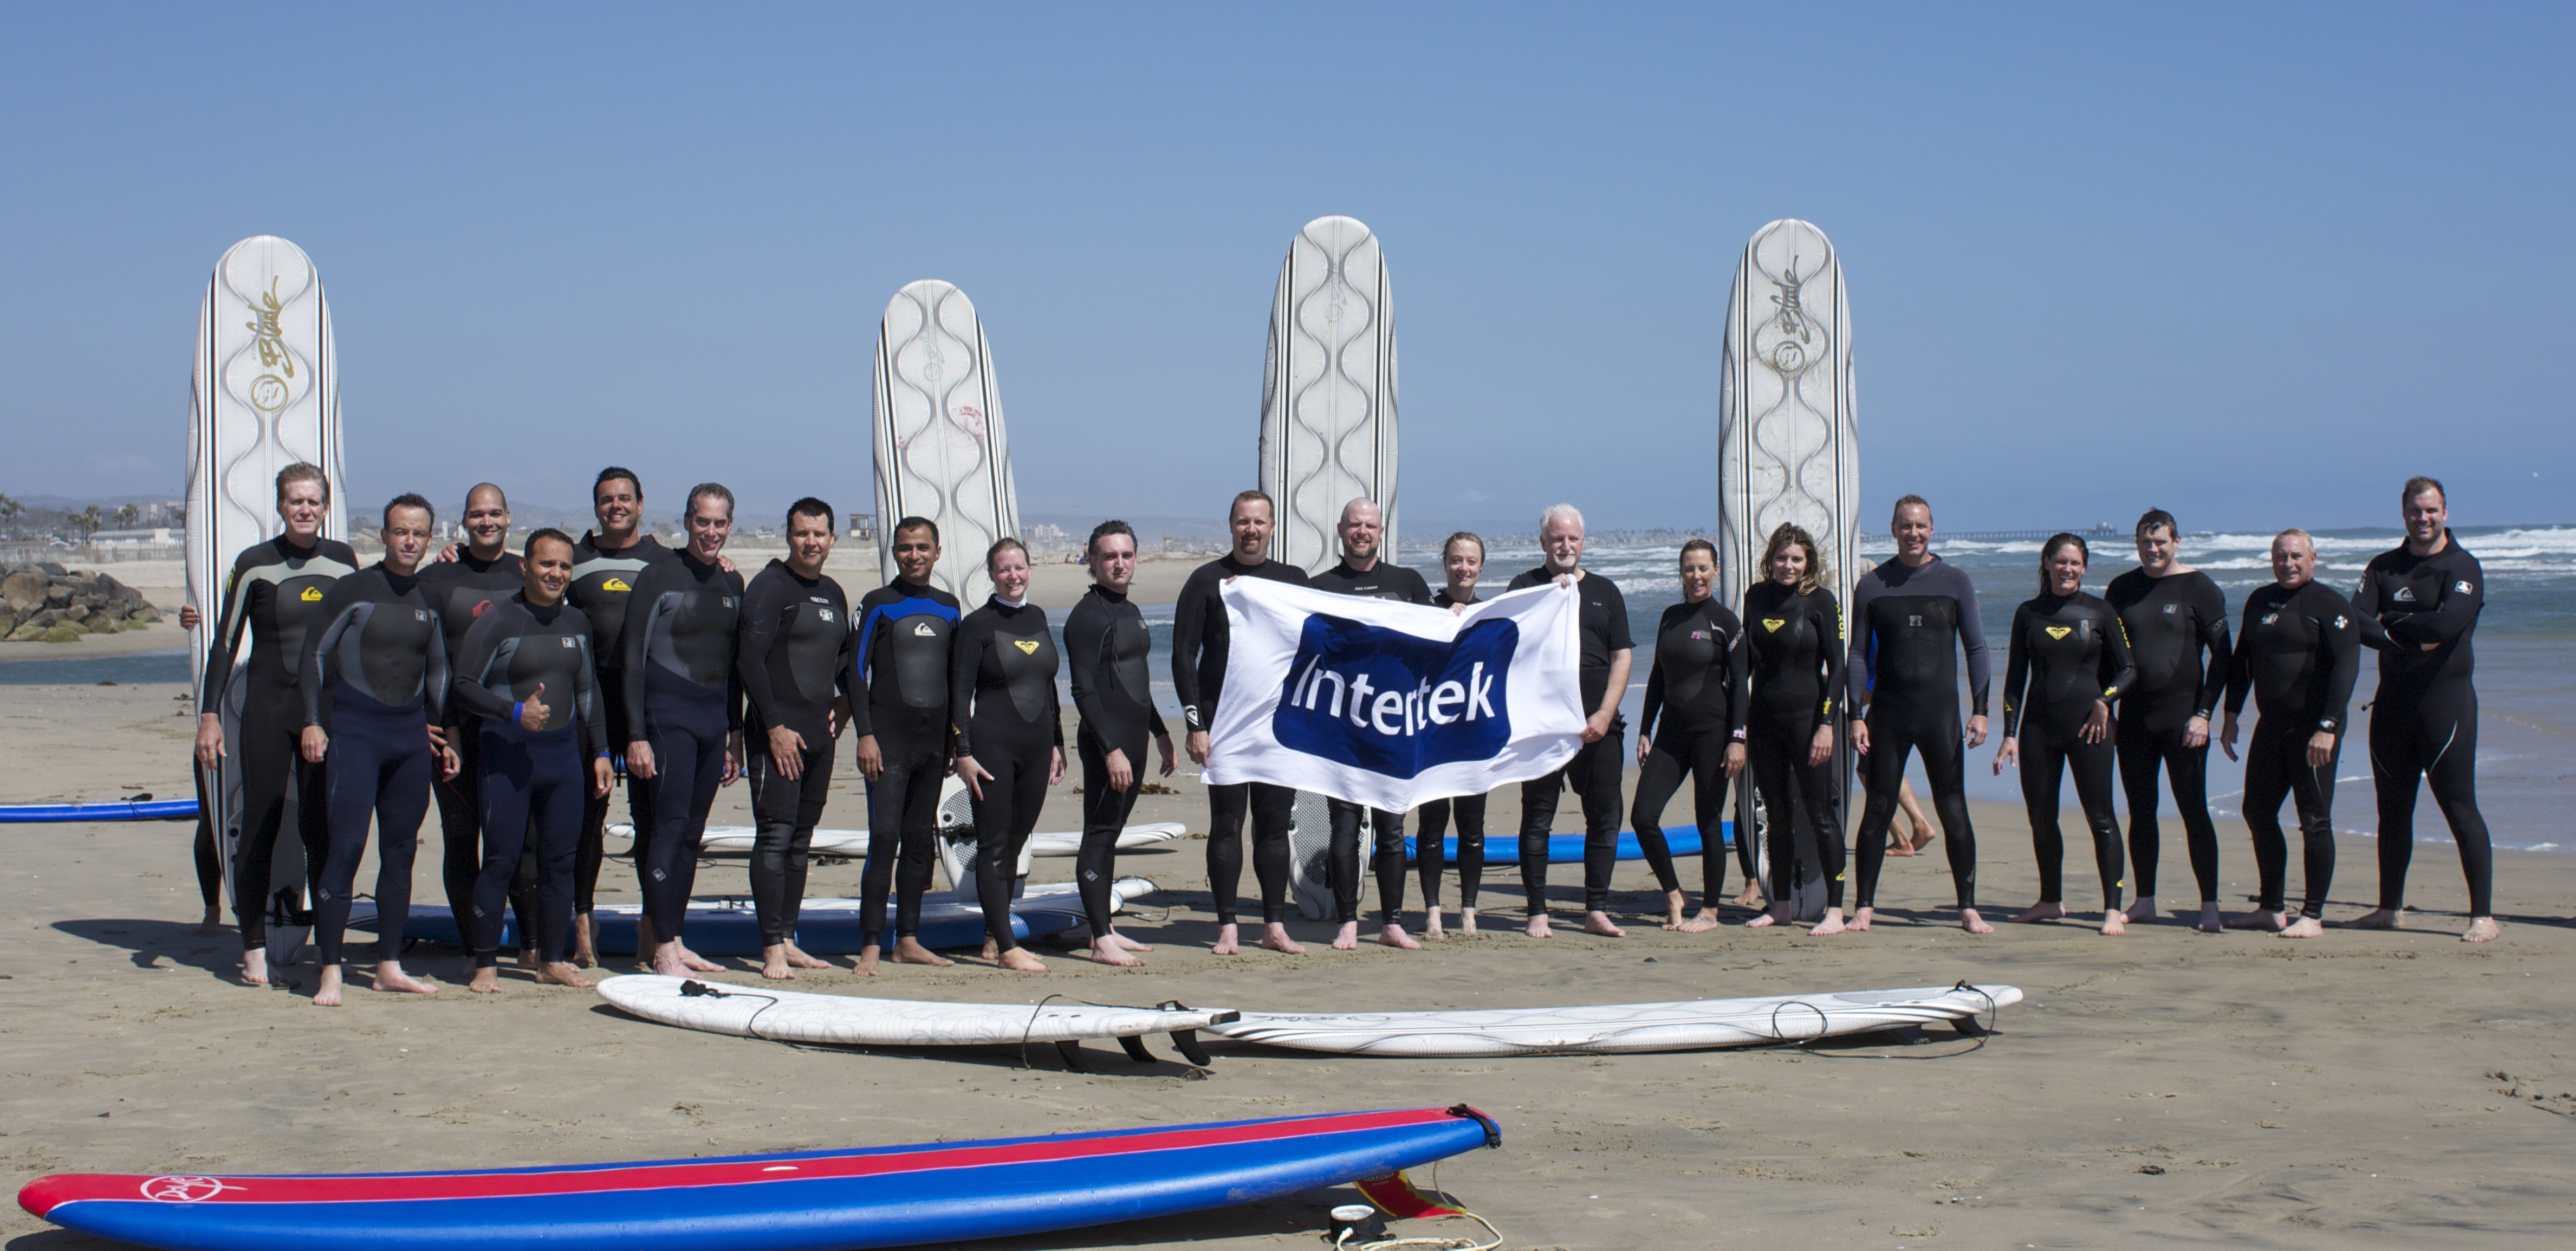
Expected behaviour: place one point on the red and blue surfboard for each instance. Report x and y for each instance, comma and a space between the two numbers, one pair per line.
800, 1201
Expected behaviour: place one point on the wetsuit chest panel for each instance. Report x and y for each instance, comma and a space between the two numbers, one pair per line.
603, 580
1024, 664
385, 651
1787, 640
2410, 596
1913, 637
2066, 645
1689, 645
546, 657
279, 592
907, 640
694, 629
1129, 644
2165, 621
464, 589
2291, 640
816, 625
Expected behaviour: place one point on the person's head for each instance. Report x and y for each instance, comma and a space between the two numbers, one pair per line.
916, 549
2158, 542
1790, 558
1911, 527
809, 536
1560, 536
303, 495
2427, 508
1698, 568
545, 566
709, 518
410, 526
1007, 561
1361, 527
1112, 553
617, 500
2294, 558
1250, 520
1462, 557
2061, 564
487, 520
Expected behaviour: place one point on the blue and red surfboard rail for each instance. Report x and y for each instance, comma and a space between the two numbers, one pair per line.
799, 1201
120, 810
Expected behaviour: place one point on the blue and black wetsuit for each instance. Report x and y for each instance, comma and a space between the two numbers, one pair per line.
1382, 580
2171, 621
1106, 645
2299, 652
796, 653
2424, 720
1431, 825
460, 591
1596, 768
1695, 709
1910, 623
684, 697
274, 592
2068, 653
1794, 655
533, 780
374, 677
1003, 711
603, 579
899, 692
1199, 640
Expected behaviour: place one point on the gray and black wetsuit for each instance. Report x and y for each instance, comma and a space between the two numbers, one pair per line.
374, 677
1910, 623
603, 579
533, 780
796, 652
684, 697
460, 591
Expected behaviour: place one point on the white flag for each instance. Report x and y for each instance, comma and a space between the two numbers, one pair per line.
1392, 705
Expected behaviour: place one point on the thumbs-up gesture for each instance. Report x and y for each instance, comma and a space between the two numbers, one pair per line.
533, 713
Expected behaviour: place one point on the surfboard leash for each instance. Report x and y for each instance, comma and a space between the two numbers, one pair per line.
1967, 1025
1397, 1196
1186, 1040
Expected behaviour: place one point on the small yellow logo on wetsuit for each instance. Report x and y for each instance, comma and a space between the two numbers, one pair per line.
615, 584
2059, 632
311, 595
1028, 647
1774, 623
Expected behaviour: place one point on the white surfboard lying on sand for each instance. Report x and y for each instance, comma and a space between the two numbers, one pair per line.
1069, 842
1611, 1028
941, 450
797, 1016
265, 394
730, 842
1788, 442
1328, 390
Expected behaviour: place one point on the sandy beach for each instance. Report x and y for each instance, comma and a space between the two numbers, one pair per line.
2236, 1089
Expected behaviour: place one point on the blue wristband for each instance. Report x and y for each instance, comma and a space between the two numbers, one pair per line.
519, 713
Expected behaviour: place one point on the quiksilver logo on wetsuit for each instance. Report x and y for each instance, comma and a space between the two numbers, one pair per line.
311, 594
2405, 594
615, 584
923, 630
2270, 617
1396, 703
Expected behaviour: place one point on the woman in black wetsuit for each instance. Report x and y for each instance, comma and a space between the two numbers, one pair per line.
1794, 637
1009, 736
1462, 557
2068, 664
1693, 725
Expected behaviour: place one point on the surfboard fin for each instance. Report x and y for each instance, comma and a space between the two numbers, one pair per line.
1397, 1196
1188, 1041
1071, 1052
1135, 1048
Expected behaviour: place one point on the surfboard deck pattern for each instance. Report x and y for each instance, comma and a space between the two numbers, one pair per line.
1310, 847
947, 1192
1613, 1028
796, 1016
941, 450
1328, 390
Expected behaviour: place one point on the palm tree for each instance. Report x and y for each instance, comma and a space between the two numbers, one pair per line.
126, 514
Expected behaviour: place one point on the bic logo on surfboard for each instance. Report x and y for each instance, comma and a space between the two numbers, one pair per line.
1393, 703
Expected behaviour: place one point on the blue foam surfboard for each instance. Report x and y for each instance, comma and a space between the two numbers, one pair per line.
147, 810
1505, 847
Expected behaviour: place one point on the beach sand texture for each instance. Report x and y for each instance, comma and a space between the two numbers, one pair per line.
2359, 1089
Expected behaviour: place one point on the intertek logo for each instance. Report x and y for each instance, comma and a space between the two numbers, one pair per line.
1396, 703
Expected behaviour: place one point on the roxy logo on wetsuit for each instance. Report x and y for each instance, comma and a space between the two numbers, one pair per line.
1395, 703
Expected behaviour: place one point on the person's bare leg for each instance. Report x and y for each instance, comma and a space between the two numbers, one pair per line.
2482, 930
561, 973
2210, 920
1974, 924
1859, 923
254, 968
2114, 922
2259, 920
2304, 927
486, 981
1226, 944
1913, 809
1274, 936
1598, 922
1832, 924
391, 978
1106, 949
327, 995
1394, 936
907, 950
1347, 938
2044, 910
1431, 923
1018, 960
1782, 914
585, 941
1674, 906
2378, 919
644, 942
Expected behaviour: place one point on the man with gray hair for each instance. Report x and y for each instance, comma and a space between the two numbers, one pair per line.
1595, 769
1362, 573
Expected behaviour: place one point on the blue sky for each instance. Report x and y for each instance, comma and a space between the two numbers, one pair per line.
2255, 264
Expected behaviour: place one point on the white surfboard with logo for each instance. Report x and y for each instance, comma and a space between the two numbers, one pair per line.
941, 450
1788, 439
265, 395
1328, 390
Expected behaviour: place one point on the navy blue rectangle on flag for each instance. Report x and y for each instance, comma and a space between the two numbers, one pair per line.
1396, 703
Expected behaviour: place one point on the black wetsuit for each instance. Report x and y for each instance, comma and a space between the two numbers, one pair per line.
2171, 621
461, 591
2424, 720
533, 780
2067, 653
2299, 652
602, 579
795, 656
1909, 625
1003, 710
1199, 636
1431, 825
274, 592
374, 677
684, 697
899, 693
1794, 642
1106, 646
1384, 580
1695, 710
1595, 770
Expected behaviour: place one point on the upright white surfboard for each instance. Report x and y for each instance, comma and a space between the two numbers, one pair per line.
1328, 390
941, 450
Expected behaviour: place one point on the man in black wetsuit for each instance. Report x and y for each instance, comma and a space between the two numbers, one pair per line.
1198, 678
1106, 646
2418, 604
1907, 616
796, 656
683, 711
461, 586
1594, 772
605, 565
899, 710
1361, 573
2299, 650
2174, 615
275, 588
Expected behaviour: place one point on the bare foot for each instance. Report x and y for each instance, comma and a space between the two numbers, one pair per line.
2115, 922
1750, 897
773, 963
2305, 927
2260, 921
585, 941
2378, 919
1106, 950
1394, 936
1347, 938
1922, 837
1128, 944
667, 962
1860, 921
212, 923
992, 951
2210, 921
1431, 924
1274, 936
561, 973
1466, 920
1974, 924
867, 965
1897, 846
527, 957
1599, 923
696, 963
254, 966
1018, 960
1538, 926
1832, 924
2483, 930
1674, 906
486, 981
1704, 920
2044, 910
327, 995
391, 978
906, 951
1779, 914
1225, 941
2144, 909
